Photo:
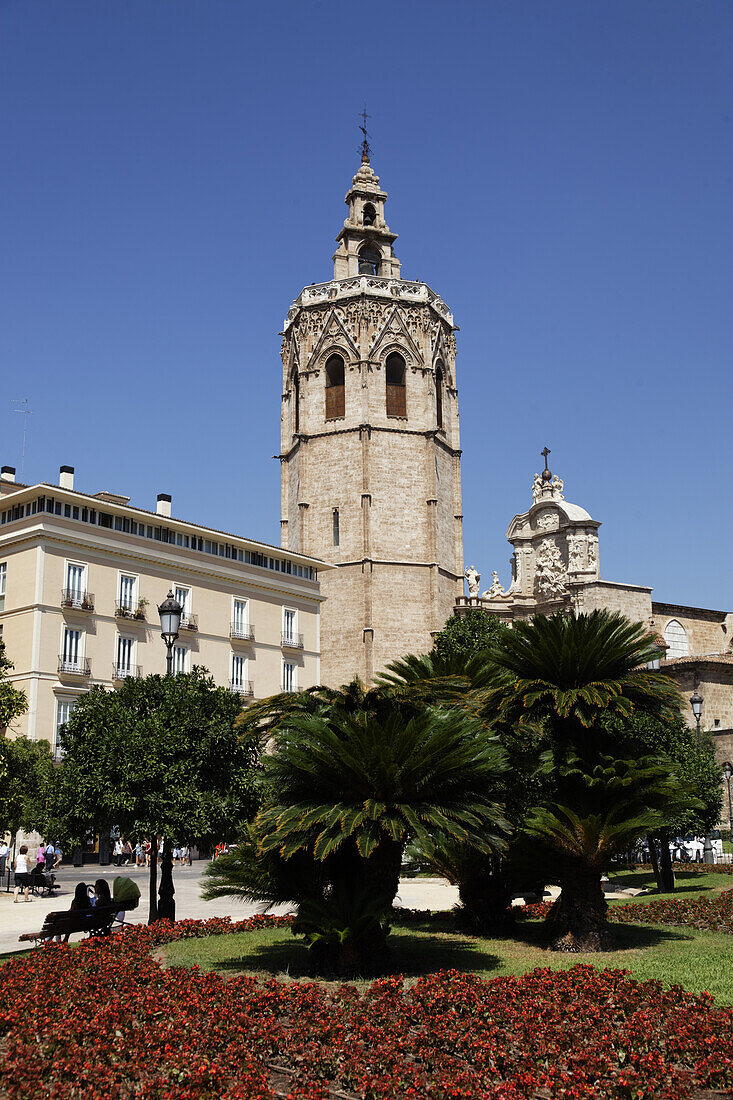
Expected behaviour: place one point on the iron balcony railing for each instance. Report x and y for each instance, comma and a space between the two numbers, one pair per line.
189, 622
242, 687
79, 666
244, 632
121, 672
292, 641
77, 599
127, 611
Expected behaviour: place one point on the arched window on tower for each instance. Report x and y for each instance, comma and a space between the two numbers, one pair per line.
675, 636
439, 394
335, 394
369, 215
369, 260
296, 402
396, 394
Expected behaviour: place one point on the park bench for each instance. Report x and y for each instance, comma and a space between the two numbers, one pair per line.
95, 922
43, 884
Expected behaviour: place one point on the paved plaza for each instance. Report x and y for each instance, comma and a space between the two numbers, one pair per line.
423, 893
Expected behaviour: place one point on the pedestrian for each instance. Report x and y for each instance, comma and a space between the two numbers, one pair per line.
139, 854
4, 849
127, 852
146, 851
118, 852
22, 874
41, 857
59, 857
50, 857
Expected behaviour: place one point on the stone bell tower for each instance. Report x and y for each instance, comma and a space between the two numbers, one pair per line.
370, 458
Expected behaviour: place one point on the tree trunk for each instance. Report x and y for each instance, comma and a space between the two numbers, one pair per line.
153, 910
486, 896
652, 842
577, 920
665, 864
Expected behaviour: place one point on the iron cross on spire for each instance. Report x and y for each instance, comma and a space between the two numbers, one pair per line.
365, 146
545, 453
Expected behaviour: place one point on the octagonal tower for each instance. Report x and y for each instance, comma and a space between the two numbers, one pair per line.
370, 458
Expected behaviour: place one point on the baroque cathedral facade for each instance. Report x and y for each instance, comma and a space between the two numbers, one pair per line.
370, 454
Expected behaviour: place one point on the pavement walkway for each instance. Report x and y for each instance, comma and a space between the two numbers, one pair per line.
423, 893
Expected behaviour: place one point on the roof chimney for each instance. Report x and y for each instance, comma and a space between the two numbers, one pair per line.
66, 477
164, 504
7, 473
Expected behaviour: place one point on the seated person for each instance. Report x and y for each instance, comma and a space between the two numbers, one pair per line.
80, 903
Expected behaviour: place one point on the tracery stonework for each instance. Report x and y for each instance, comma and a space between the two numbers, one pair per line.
390, 465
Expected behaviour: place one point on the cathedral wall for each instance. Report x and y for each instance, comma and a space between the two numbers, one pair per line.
398, 484
401, 609
448, 508
707, 631
631, 600
714, 682
332, 478
343, 652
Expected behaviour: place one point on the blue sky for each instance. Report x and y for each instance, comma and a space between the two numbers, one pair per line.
173, 173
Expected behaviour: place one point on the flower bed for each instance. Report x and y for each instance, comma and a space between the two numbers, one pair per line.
713, 914
104, 1020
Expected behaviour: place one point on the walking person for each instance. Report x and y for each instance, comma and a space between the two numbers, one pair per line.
59, 857
118, 852
127, 852
50, 857
22, 874
4, 849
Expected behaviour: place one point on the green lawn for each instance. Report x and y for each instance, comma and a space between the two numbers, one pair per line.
695, 960
688, 884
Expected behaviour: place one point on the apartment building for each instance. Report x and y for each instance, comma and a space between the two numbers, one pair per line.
81, 578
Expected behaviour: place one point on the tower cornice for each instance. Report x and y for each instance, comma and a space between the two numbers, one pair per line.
404, 291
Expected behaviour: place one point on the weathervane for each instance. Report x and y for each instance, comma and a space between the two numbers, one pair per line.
365, 146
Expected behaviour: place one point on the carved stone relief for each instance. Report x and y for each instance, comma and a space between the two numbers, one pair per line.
551, 574
548, 521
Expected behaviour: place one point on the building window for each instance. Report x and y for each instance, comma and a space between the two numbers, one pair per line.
239, 672
240, 619
180, 659
3, 575
335, 391
369, 260
336, 528
128, 592
296, 403
64, 708
396, 395
183, 596
288, 676
439, 395
676, 638
76, 584
124, 665
73, 650
290, 622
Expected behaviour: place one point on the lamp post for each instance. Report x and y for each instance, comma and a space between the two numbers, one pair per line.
728, 773
170, 621
696, 702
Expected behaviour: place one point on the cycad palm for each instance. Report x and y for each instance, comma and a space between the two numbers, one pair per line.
351, 782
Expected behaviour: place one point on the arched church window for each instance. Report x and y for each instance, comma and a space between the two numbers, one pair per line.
675, 636
370, 214
369, 260
336, 528
396, 392
439, 394
296, 403
335, 394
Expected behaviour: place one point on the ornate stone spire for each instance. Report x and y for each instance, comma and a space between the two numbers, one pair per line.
365, 244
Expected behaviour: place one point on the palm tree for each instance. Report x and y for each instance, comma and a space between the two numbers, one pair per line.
567, 674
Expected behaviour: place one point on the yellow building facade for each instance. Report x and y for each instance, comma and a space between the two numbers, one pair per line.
81, 578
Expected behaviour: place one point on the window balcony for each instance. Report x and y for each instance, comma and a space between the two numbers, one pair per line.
121, 672
242, 632
189, 622
79, 667
77, 600
127, 611
245, 688
292, 641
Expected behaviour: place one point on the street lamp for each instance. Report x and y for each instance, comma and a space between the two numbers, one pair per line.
728, 773
170, 620
696, 704
170, 612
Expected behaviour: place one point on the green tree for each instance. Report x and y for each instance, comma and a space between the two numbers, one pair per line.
474, 632
158, 756
347, 790
25, 771
568, 675
13, 701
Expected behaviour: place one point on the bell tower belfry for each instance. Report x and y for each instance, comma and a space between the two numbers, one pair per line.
370, 453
